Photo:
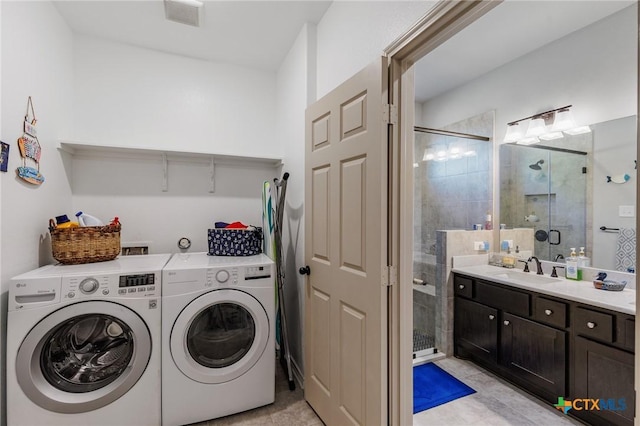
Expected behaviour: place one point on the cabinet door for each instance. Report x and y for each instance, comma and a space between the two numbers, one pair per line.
605, 373
535, 354
476, 330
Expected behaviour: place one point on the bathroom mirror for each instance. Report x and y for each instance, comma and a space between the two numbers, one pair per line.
577, 191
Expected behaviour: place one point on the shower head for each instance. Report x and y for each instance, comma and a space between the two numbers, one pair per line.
537, 165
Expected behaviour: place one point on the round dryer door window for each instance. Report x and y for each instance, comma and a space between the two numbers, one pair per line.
83, 356
219, 336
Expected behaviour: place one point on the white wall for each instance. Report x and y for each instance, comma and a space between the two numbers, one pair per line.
581, 69
614, 149
295, 88
130, 96
37, 61
133, 97
352, 34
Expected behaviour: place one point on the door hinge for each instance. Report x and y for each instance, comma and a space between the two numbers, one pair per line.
389, 276
390, 114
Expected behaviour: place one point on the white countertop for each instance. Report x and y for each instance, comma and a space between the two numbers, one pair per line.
579, 291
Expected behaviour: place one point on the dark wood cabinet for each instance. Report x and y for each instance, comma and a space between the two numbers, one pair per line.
476, 330
535, 354
549, 346
604, 373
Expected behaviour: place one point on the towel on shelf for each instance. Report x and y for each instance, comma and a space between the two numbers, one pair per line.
626, 250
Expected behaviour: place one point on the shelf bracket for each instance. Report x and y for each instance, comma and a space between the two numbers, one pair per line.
212, 177
165, 173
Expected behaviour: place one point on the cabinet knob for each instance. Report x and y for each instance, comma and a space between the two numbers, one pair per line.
461, 286
591, 324
491, 316
506, 322
548, 312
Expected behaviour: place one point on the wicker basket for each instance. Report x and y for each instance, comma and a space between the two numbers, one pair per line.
85, 244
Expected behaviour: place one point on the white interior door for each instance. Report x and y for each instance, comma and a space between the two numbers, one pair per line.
346, 250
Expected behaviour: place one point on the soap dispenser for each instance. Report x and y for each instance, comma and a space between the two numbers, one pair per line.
572, 271
583, 260
508, 260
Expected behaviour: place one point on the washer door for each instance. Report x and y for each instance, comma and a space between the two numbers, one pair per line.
83, 356
219, 336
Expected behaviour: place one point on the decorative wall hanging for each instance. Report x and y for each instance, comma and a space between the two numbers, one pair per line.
4, 156
30, 148
621, 178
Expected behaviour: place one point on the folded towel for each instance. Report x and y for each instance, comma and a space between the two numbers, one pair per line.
626, 250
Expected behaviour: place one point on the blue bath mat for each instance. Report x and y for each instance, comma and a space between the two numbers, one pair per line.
432, 386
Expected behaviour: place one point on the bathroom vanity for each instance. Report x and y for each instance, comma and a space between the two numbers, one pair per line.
550, 336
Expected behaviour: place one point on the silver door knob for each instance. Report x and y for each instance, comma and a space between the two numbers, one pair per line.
491, 317
548, 312
591, 324
506, 322
461, 286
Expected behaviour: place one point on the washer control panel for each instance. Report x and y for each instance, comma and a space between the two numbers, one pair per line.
131, 285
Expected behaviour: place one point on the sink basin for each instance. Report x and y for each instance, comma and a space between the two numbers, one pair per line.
524, 277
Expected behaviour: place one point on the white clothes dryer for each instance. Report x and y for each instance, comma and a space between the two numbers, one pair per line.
218, 344
83, 344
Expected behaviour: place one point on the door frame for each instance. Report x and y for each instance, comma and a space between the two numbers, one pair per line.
443, 21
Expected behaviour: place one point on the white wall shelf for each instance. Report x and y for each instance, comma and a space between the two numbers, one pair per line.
81, 149
163, 157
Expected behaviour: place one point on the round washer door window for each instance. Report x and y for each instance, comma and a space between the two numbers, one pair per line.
83, 356
219, 336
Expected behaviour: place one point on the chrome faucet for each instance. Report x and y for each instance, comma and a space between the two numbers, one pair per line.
538, 265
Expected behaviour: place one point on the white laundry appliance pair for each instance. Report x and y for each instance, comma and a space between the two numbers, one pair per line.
96, 343
218, 336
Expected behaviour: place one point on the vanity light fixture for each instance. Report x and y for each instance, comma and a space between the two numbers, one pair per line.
537, 127
454, 152
514, 132
548, 125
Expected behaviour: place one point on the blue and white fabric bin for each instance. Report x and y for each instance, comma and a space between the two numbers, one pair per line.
235, 242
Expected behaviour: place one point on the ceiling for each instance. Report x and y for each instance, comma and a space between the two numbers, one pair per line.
259, 33
256, 34
510, 30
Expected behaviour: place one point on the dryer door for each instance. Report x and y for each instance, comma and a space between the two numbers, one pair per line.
219, 336
83, 356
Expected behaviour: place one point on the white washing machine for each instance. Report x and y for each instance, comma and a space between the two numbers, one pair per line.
83, 344
218, 344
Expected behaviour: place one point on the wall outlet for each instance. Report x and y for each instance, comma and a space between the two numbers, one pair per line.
626, 211
135, 248
479, 245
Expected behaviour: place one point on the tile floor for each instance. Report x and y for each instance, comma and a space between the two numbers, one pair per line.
495, 403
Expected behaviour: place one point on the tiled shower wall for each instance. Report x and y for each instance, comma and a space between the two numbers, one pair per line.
558, 193
453, 194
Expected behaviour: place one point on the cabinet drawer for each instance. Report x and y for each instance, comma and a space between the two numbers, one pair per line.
550, 312
512, 301
594, 324
463, 286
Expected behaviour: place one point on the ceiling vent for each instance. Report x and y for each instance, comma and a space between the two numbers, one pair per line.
183, 11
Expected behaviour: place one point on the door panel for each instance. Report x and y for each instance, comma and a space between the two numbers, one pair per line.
346, 249
320, 234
